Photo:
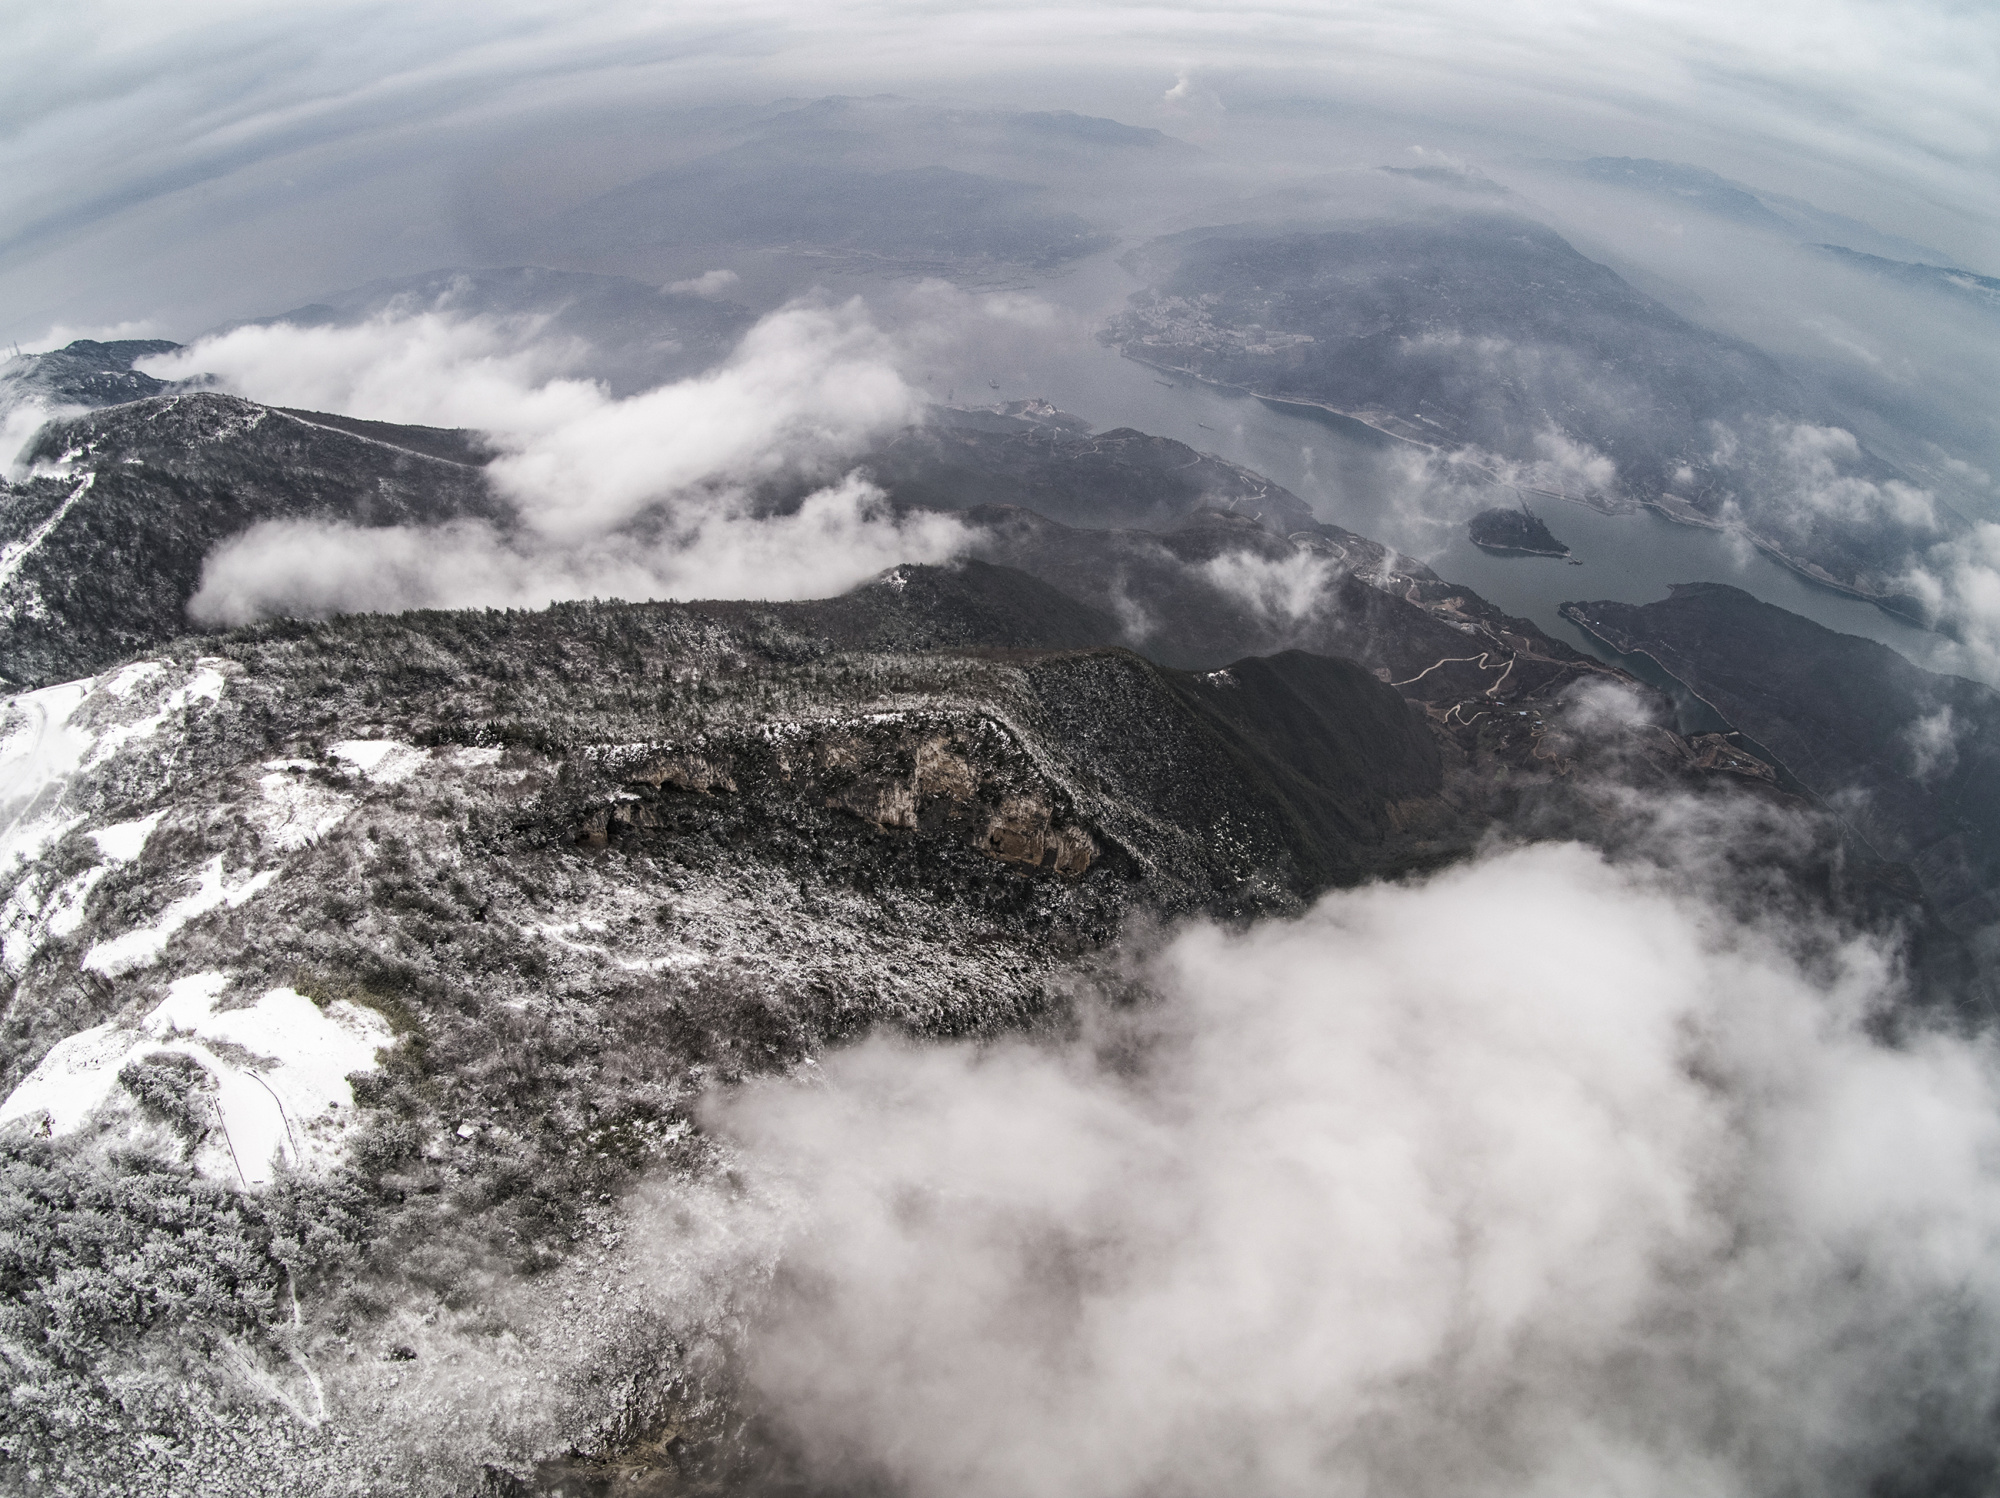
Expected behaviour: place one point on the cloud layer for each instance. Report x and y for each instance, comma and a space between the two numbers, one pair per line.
644, 497
1958, 583
1539, 1177
842, 535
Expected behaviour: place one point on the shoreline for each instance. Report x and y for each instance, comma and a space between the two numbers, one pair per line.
1787, 781
1676, 513
1565, 555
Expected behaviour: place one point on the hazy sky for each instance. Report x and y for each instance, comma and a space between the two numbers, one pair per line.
162, 164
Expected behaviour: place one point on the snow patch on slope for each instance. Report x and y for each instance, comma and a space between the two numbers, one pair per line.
203, 684
124, 841
49, 736
383, 761
276, 1075
37, 911
41, 750
140, 947
296, 812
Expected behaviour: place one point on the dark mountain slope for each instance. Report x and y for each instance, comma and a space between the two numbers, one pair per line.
1963, 287
1909, 757
102, 559
969, 606
1291, 766
84, 373
1320, 723
1031, 455
452, 444
1310, 769
1308, 761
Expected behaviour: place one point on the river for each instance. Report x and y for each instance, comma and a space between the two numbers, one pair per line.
1356, 477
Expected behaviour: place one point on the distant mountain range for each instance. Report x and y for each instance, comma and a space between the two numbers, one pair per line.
1710, 192
83, 373
1982, 292
881, 181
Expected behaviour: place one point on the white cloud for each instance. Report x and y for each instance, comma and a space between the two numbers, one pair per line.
810, 385
1189, 103
1601, 704
1287, 590
19, 422
1433, 494
428, 367
1958, 583
1537, 1177
1932, 741
1567, 465
840, 536
61, 335
1809, 471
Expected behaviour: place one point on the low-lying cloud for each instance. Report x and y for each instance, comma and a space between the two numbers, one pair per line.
1804, 472
708, 283
1958, 584
1288, 590
19, 423
808, 384
841, 535
1541, 1176
653, 495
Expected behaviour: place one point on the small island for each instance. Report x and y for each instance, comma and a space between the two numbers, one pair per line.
1514, 533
